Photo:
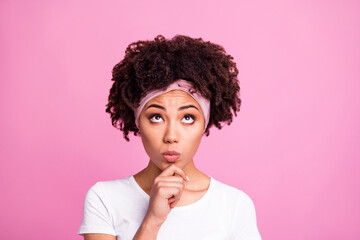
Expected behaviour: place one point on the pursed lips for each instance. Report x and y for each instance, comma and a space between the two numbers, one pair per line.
171, 156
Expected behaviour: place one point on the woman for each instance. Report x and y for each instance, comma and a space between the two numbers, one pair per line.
170, 92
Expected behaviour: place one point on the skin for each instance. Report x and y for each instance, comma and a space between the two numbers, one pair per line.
167, 125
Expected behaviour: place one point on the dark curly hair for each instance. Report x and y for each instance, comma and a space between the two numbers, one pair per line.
150, 65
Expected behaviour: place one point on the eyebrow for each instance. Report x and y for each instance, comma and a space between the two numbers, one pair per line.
180, 108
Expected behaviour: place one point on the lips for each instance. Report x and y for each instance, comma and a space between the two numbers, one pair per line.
171, 156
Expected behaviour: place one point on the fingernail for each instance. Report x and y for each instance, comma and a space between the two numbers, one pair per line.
187, 178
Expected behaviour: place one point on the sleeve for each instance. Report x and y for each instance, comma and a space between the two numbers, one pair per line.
244, 223
96, 218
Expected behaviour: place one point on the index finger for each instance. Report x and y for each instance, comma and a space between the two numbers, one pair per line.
171, 170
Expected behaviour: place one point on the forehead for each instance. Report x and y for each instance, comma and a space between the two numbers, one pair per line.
174, 96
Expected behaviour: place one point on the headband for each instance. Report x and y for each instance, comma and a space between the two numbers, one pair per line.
182, 85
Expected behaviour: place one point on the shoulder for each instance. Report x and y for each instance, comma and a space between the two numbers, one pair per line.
118, 183
241, 210
234, 199
229, 192
106, 188
111, 184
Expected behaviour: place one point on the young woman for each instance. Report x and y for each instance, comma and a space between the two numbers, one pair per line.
170, 92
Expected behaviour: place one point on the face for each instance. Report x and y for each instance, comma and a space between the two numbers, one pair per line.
172, 121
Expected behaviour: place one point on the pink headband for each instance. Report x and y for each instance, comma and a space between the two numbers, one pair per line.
182, 85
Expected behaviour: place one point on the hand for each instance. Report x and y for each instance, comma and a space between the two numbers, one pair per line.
165, 194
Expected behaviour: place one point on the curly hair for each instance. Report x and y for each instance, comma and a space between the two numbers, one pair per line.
150, 65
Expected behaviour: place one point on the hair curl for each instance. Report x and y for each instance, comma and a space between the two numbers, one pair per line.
150, 65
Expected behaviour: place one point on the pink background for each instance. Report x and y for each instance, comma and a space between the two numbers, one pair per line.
294, 148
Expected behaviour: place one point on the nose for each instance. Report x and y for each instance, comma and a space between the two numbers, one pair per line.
171, 134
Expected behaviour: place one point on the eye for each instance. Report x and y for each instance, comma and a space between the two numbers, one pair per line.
155, 118
188, 119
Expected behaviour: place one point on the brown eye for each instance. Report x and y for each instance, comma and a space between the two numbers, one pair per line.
155, 118
188, 119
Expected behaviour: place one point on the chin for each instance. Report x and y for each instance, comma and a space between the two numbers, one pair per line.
167, 164
163, 164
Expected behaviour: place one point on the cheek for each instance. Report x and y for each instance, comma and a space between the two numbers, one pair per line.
193, 141
149, 140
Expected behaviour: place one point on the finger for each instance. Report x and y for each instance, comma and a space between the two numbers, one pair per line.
171, 184
171, 192
175, 202
176, 178
186, 176
171, 170
171, 200
177, 194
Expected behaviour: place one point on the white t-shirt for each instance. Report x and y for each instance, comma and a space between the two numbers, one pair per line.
118, 208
